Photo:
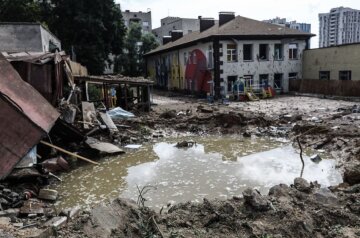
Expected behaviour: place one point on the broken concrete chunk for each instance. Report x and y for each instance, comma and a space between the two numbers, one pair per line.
302, 185
48, 194
254, 198
10, 212
56, 222
108, 122
70, 212
103, 147
325, 196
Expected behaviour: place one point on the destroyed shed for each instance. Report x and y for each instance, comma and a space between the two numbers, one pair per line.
117, 90
25, 117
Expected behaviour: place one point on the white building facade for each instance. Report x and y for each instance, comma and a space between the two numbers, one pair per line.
212, 61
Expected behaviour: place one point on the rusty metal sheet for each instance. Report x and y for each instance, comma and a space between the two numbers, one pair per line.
18, 135
33, 105
25, 117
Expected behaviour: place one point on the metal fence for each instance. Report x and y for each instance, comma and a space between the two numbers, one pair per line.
348, 88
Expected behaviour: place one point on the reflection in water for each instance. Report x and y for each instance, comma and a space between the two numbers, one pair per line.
214, 168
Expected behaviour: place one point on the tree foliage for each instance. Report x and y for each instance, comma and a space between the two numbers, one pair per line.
20, 11
91, 28
131, 63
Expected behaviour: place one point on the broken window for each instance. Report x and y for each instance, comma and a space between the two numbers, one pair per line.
278, 81
293, 75
345, 75
324, 75
194, 59
264, 52
231, 53
264, 80
248, 52
293, 51
278, 54
231, 80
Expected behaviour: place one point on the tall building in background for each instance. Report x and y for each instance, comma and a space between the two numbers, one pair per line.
143, 18
305, 27
340, 26
169, 24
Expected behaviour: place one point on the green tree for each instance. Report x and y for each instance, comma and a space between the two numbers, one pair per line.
131, 62
91, 28
20, 11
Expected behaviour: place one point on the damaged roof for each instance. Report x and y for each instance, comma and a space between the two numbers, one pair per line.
239, 26
115, 79
25, 117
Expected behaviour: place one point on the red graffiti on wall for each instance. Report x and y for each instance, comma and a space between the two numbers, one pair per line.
197, 74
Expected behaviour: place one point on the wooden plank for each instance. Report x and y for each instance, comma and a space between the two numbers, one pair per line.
108, 122
89, 113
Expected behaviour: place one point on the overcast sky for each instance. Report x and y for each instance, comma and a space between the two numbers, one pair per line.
299, 10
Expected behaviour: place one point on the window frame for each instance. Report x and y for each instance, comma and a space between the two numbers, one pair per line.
292, 51
322, 73
348, 76
231, 53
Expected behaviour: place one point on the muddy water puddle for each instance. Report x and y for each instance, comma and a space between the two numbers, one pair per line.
217, 167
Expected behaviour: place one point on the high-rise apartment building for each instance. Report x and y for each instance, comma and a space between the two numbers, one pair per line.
340, 26
305, 27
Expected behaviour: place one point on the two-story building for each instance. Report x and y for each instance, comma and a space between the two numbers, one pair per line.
236, 48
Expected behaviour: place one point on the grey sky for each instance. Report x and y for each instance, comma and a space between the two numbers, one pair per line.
300, 10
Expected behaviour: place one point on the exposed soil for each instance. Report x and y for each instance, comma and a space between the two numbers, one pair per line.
302, 210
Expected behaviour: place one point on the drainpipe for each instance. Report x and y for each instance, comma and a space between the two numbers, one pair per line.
179, 69
216, 47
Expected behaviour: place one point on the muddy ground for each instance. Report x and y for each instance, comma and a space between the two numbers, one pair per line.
301, 210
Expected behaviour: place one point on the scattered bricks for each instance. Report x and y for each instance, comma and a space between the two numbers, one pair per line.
56, 222
10, 213
48, 194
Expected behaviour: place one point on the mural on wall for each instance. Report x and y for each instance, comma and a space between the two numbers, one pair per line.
197, 75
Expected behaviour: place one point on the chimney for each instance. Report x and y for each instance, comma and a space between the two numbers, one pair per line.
176, 34
206, 23
225, 17
166, 39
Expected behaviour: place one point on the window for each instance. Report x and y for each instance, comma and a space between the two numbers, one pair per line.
145, 23
278, 80
264, 80
231, 53
278, 54
345, 75
248, 52
185, 58
264, 52
293, 51
324, 75
292, 75
210, 58
230, 81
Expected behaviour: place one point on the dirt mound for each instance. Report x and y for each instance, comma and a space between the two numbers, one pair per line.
303, 210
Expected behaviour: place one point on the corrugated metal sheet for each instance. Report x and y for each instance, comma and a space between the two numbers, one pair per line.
25, 116
33, 105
